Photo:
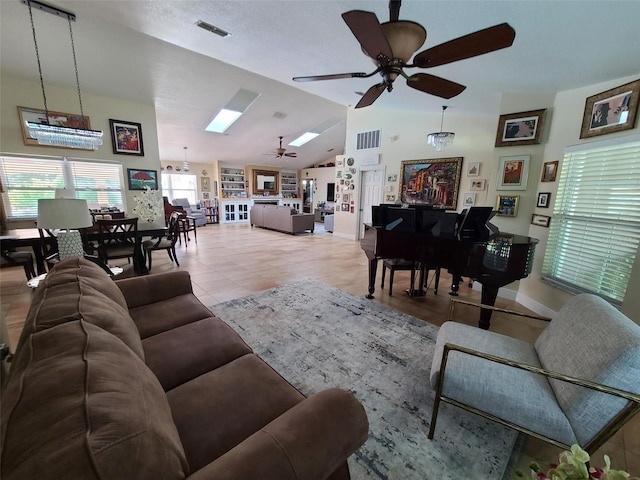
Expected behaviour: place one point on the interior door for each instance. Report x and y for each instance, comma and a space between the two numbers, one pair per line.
372, 182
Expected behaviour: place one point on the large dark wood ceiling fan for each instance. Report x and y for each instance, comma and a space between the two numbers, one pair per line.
392, 44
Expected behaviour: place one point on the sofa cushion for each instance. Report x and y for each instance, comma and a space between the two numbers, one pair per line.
167, 314
101, 415
183, 353
216, 411
79, 289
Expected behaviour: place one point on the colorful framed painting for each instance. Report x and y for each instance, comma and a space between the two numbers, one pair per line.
524, 128
59, 119
612, 111
513, 173
507, 205
549, 171
431, 182
141, 179
126, 138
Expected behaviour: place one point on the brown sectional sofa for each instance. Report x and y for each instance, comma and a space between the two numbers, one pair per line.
136, 379
283, 219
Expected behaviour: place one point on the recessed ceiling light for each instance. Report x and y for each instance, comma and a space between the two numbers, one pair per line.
212, 28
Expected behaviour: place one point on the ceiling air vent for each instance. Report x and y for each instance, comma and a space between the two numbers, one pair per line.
212, 28
368, 140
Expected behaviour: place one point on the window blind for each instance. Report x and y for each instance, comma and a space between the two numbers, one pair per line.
595, 230
25, 180
179, 186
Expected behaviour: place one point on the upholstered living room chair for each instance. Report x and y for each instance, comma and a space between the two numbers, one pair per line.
199, 215
578, 384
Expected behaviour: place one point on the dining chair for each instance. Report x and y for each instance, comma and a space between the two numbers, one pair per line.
25, 259
116, 238
167, 243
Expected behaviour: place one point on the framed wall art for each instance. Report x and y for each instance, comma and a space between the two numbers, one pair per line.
543, 199
540, 220
513, 173
549, 171
205, 184
140, 179
126, 137
469, 199
59, 119
524, 128
507, 205
478, 185
431, 182
473, 169
612, 111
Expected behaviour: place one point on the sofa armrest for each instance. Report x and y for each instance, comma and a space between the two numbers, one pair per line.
309, 441
144, 290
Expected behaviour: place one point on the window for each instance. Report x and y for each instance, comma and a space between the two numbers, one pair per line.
179, 186
595, 229
25, 180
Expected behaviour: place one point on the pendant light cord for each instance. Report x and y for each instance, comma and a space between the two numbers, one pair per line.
75, 65
35, 42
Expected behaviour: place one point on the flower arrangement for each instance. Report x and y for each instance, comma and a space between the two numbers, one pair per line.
573, 466
148, 205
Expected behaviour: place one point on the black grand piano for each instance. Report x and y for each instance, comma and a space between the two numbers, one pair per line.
466, 244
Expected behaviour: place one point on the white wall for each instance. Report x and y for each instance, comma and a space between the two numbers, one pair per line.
16, 92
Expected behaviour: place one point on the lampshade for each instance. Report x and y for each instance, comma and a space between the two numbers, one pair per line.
440, 139
63, 213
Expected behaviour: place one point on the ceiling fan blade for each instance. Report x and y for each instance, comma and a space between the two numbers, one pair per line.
371, 95
472, 45
435, 85
368, 31
334, 76
292, 154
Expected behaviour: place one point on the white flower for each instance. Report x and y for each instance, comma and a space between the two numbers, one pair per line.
148, 205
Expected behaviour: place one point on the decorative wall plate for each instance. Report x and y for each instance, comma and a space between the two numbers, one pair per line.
346, 175
350, 161
352, 187
352, 170
204, 172
178, 169
169, 167
347, 182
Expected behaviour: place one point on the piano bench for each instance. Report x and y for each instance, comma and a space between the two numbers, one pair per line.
394, 264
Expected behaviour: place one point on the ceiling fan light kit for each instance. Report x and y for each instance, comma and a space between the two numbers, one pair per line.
392, 44
440, 139
56, 135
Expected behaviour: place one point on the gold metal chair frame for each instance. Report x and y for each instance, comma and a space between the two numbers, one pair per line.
596, 442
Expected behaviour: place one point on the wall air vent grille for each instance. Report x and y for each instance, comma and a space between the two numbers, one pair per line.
368, 140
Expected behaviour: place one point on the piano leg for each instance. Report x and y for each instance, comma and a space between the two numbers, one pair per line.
455, 284
373, 269
488, 297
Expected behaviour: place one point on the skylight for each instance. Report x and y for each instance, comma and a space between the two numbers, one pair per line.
223, 120
302, 139
240, 102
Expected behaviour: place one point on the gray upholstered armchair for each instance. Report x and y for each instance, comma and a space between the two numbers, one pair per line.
201, 219
577, 384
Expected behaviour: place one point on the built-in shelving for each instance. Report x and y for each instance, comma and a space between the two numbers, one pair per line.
233, 183
289, 185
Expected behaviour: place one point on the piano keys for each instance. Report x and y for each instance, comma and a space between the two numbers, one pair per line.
465, 244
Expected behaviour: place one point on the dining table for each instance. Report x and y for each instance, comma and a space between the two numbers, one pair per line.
30, 237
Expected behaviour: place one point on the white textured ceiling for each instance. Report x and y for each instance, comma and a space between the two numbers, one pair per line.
152, 52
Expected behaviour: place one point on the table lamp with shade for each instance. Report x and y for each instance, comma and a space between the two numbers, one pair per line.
65, 214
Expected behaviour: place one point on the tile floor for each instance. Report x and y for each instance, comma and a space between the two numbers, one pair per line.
231, 261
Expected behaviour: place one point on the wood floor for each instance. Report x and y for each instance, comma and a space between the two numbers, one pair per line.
231, 261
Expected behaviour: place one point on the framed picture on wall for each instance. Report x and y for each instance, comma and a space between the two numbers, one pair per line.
469, 199
59, 119
543, 199
140, 179
431, 182
205, 184
549, 171
478, 184
524, 128
612, 111
126, 137
507, 205
513, 173
540, 220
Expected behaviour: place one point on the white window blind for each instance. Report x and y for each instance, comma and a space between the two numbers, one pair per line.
179, 186
595, 229
25, 180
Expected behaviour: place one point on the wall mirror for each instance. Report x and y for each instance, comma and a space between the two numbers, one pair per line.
265, 181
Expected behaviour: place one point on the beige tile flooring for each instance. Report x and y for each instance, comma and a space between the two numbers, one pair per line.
231, 261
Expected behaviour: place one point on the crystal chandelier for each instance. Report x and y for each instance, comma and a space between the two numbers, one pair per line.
56, 135
440, 139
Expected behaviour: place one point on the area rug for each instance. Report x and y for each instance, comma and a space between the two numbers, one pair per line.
317, 336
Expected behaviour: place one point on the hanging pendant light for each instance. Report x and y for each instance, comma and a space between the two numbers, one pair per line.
54, 135
440, 139
186, 164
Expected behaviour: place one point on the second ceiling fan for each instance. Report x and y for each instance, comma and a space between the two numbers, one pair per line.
392, 44
280, 152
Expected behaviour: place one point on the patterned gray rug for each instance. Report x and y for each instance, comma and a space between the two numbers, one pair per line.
317, 336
